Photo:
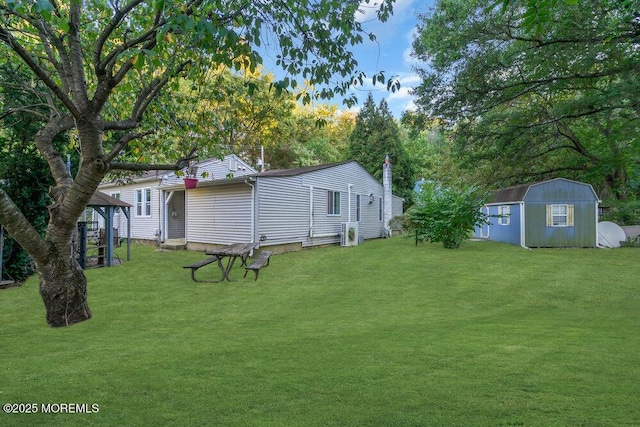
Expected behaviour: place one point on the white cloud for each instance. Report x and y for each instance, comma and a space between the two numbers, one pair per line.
406, 55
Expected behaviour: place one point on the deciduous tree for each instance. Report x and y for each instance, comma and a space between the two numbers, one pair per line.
106, 65
561, 99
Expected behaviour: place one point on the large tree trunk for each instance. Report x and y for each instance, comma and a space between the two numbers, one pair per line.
63, 287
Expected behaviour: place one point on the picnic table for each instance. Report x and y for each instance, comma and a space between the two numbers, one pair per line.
231, 252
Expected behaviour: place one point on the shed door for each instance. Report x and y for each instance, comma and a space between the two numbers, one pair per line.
484, 231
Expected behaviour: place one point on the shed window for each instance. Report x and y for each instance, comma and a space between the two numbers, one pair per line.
358, 207
333, 202
504, 215
143, 202
560, 215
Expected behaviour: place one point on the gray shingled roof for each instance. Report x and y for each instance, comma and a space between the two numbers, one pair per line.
511, 194
298, 171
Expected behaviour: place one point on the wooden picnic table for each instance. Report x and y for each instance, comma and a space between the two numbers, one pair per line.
232, 252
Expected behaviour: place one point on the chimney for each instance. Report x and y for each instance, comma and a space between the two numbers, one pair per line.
387, 212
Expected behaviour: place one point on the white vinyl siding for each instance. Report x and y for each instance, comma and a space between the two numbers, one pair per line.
142, 227
286, 219
293, 209
219, 215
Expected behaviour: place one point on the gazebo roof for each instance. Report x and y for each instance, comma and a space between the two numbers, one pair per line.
101, 199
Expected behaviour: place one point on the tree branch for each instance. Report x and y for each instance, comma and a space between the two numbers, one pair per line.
21, 229
181, 163
43, 141
123, 142
15, 46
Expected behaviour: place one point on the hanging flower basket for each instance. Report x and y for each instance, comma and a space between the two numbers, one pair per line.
190, 183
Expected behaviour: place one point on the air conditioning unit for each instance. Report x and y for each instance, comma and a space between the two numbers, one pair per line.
349, 234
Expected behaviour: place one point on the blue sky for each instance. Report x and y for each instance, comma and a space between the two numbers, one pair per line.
390, 54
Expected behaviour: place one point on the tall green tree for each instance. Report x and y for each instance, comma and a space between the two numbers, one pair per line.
237, 112
107, 65
523, 103
375, 135
318, 134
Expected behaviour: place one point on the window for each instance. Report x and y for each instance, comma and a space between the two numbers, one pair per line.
333, 202
380, 209
504, 215
560, 215
116, 196
143, 202
358, 205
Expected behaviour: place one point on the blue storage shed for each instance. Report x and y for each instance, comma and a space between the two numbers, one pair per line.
549, 214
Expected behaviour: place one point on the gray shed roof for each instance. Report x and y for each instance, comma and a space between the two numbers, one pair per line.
519, 192
511, 194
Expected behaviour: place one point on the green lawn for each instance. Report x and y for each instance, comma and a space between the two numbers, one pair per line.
385, 333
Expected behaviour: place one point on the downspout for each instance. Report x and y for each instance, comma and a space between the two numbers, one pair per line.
253, 210
349, 202
311, 212
522, 227
597, 229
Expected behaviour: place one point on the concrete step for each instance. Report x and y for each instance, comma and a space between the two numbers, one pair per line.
174, 244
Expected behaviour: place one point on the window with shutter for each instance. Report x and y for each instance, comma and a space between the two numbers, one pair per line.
560, 215
504, 215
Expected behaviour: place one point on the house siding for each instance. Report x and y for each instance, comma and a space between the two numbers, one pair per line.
219, 215
278, 208
284, 205
142, 227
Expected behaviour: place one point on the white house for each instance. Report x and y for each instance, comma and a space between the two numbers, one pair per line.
289, 208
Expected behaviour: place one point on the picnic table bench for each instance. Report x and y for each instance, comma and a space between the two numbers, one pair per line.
233, 251
196, 265
262, 260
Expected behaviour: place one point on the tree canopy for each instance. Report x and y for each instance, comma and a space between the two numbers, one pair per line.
375, 135
523, 103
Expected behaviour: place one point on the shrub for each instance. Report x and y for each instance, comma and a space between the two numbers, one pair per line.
444, 214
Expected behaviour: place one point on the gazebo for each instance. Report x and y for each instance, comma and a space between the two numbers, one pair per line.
107, 206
